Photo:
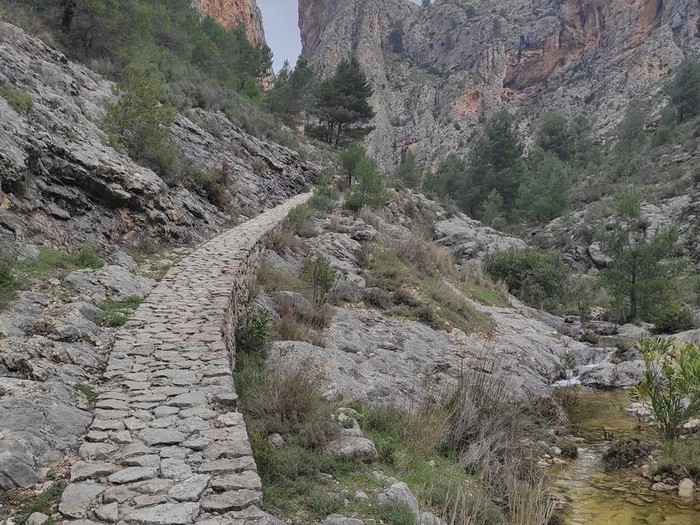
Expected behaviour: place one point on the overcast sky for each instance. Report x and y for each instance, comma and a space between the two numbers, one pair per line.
281, 20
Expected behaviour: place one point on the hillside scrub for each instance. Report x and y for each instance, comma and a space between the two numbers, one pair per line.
204, 64
533, 276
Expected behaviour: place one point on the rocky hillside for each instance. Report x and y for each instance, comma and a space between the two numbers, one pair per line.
73, 210
63, 185
438, 72
231, 13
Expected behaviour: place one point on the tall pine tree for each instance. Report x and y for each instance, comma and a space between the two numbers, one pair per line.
342, 104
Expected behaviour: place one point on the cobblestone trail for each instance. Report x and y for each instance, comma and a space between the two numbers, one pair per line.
167, 446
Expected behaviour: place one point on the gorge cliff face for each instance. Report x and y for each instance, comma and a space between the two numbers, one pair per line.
438, 72
231, 13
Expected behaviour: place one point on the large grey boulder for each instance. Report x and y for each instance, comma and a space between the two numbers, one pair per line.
399, 492
469, 239
352, 447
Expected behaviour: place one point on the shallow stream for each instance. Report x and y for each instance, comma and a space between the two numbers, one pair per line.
597, 497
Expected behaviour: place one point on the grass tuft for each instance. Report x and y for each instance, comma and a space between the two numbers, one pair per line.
116, 313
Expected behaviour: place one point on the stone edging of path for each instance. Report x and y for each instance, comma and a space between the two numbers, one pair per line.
167, 445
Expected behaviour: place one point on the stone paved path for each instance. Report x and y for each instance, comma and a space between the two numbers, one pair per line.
167, 446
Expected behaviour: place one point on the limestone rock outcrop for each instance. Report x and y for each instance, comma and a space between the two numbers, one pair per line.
437, 72
62, 184
230, 13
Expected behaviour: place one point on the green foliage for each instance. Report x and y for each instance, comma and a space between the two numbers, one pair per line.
320, 275
555, 137
116, 313
203, 63
671, 383
341, 104
20, 101
407, 174
253, 333
368, 189
533, 276
544, 193
492, 211
291, 93
350, 158
51, 262
87, 391
681, 456
8, 281
395, 513
672, 318
685, 90
631, 138
496, 164
640, 278
43, 502
449, 179
139, 122
301, 221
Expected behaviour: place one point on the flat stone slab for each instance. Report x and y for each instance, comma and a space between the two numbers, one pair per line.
231, 500
156, 436
166, 514
77, 499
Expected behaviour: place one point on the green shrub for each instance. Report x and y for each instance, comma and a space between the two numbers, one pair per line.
533, 276
680, 457
672, 318
139, 123
116, 313
301, 220
289, 402
671, 383
253, 332
318, 273
368, 189
19, 100
395, 513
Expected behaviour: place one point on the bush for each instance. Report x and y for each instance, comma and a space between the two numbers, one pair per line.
289, 402
673, 318
679, 459
318, 273
533, 276
302, 324
253, 332
139, 122
671, 383
428, 257
283, 238
19, 100
395, 513
301, 221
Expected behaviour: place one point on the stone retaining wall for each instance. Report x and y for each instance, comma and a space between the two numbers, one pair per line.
167, 446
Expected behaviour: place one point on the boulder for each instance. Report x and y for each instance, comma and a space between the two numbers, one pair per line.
399, 492
352, 447
686, 488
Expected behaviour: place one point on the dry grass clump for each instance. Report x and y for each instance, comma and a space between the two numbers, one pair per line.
491, 432
284, 239
335, 224
428, 257
369, 218
299, 323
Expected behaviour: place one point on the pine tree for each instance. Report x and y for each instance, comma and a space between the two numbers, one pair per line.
496, 164
408, 174
289, 97
342, 103
555, 136
638, 279
685, 90
544, 193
